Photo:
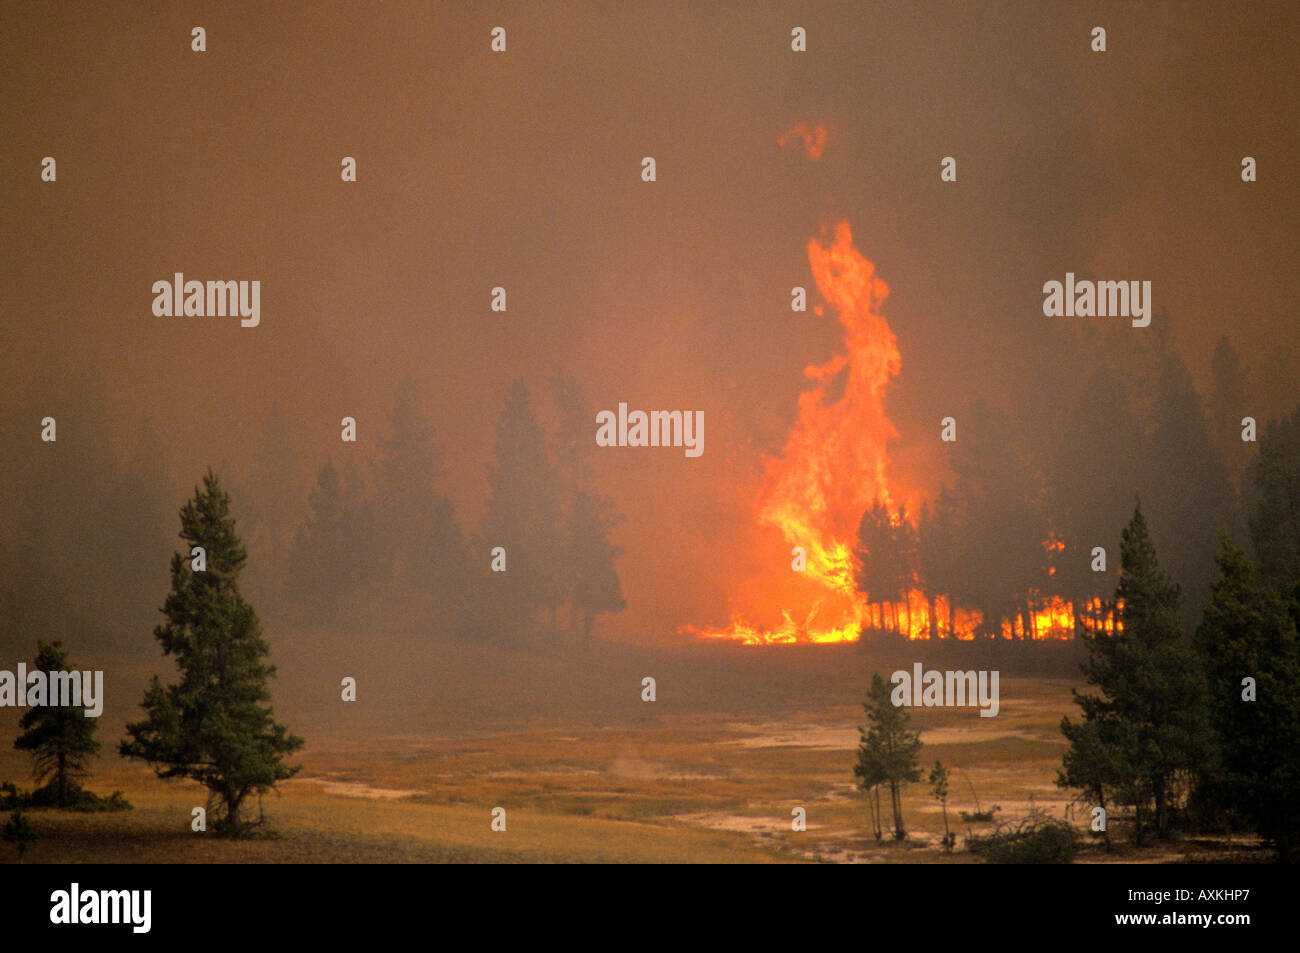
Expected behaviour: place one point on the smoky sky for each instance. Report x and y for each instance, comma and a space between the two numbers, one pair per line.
522, 170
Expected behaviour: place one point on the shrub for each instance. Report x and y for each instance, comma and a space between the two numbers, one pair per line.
18, 831
973, 817
1036, 839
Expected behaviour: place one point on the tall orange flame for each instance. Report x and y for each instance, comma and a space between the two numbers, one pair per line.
833, 467
834, 462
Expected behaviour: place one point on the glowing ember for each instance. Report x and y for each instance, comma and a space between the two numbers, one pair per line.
814, 139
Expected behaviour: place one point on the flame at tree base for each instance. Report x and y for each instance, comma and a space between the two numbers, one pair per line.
1055, 619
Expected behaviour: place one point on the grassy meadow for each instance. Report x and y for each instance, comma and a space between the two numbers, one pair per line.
708, 773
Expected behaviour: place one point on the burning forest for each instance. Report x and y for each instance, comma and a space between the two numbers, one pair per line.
870, 557
687, 433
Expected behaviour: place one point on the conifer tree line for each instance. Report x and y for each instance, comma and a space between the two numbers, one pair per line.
371, 540
541, 568
83, 522
1181, 729
1197, 728
1031, 495
547, 525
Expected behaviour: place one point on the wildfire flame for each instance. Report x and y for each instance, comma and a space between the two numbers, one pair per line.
833, 467
834, 462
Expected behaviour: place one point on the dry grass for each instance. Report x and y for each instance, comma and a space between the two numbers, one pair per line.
593, 776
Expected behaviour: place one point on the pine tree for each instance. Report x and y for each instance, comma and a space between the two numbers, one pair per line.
1187, 485
904, 546
1147, 731
1275, 533
215, 725
1084, 473
596, 587
336, 553
423, 541
887, 753
932, 550
319, 545
1246, 632
271, 502
1227, 405
1093, 764
590, 581
45, 587
878, 561
1275, 521
60, 738
999, 496
523, 516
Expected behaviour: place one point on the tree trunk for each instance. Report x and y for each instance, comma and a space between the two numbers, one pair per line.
61, 778
897, 798
934, 618
1162, 812
233, 801
1101, 801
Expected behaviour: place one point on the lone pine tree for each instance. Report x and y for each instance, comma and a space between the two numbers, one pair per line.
1147, 731
888, 749
215, 725
60, 737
